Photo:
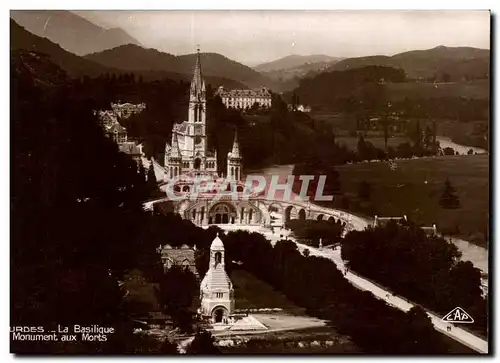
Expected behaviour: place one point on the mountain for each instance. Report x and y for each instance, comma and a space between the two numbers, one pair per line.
132, 57
293, 61
441, 63
75, 66
289, 70
72, 32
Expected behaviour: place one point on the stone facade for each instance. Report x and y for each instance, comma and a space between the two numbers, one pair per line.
216, 289
244, 99
188, 149
191, 171
180, 256
125, 110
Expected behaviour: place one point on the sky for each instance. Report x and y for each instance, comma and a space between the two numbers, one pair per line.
254, 37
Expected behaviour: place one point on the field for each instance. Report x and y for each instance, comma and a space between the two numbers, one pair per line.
478, 89
378, 142
252, 293
302, 341
415, 187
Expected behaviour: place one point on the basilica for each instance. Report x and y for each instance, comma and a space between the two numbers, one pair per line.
188, 160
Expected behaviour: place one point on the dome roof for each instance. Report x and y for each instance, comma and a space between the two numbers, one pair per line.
217, 243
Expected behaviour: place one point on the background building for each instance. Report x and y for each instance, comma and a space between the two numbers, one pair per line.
244, 99
181, 256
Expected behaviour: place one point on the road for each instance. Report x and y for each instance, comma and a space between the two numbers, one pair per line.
460, 335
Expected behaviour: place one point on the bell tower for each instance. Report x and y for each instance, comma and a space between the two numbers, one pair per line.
197, 113
216, 289
234, 160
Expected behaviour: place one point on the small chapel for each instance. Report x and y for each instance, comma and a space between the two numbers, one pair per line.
216, 289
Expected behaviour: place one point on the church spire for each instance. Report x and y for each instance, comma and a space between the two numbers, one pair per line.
235, 152
175, 151
197, 84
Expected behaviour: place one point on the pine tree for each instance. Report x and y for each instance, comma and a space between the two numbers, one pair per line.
203, 343
434, 132
151, 180
364, 190
449, 198
386, 131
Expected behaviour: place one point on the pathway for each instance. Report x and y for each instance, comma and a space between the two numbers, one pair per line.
460, 335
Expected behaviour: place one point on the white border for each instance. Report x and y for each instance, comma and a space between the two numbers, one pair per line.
153, 5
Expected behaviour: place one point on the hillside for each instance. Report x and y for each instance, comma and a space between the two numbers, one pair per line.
132, 57
439, 63
360, 91
36, 68
75, 66
293, 61
289, 70
72, 32
415, 187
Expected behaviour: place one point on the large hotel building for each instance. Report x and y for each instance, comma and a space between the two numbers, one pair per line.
243, 99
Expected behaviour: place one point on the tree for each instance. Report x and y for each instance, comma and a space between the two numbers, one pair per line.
448, 151
386, 131
470, 152
362, 146
177, 289
167, 347
85, 191
434, 134
428, 138
449, 199
295, 101
465, 275
203, 343
364, 190
417, 136
151, 180
421, 334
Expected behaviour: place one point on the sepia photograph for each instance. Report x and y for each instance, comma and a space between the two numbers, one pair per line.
250, 182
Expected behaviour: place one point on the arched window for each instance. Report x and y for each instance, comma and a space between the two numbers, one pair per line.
194, 214
242, 213
250, 212
218, 258
232, 171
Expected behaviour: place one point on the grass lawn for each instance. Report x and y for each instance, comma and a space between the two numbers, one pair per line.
286, 342
405, 191
378, 142
252, 293
477, 89
141, 298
